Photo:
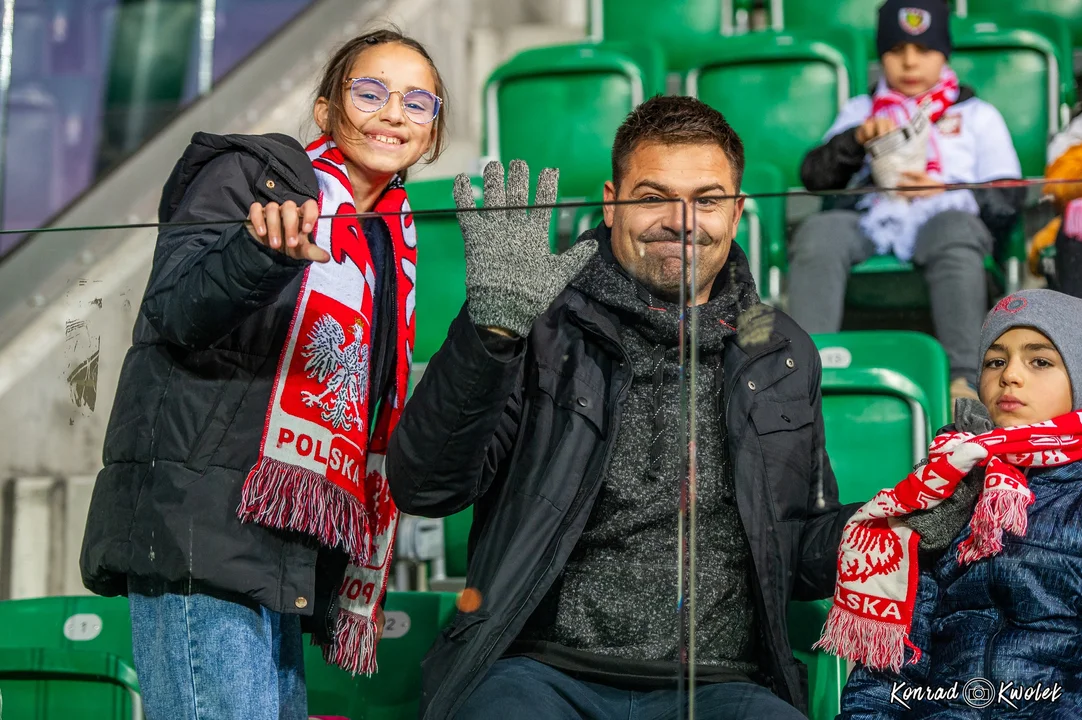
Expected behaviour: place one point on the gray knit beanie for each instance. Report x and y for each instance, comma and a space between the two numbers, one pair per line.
1056, 315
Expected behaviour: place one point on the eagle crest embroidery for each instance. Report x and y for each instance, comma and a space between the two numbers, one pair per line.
341, 368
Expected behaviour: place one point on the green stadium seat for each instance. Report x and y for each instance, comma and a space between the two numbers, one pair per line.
760, 181
441, 263
414, 620
861, 15
781, 90
55, 684
884, 395
560, 107
1024, 70
1068, 12
456, 537
64, 657
679, 26
826, 673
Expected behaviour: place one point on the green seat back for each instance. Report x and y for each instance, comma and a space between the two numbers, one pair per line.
414, 619
781, 91
860, 15
1021, 73
456, 537
55, 684
826, 673
64, 657
1069, 12
678, 26
441, 264
884, 395
88, 623
560, 107
857, 14
766, 179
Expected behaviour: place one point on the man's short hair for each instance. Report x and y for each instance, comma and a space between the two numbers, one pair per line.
676, 120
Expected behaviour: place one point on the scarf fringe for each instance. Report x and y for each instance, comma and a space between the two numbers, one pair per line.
996, 511
354, 645
288, 497
872, 643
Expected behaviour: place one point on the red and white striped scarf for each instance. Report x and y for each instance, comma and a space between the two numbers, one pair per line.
901, 109
876, 588
320, 470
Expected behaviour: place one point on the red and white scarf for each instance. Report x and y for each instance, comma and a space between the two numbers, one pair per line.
900, 108
872, 613
320, 470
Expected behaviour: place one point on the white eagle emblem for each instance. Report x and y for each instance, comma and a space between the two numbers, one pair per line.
347, 366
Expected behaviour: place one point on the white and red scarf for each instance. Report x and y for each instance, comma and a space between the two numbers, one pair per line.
876, 588
320, 469
892, 222
900, 108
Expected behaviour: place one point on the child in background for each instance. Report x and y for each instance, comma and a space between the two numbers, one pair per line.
1002, 603
1065, 230
945, 234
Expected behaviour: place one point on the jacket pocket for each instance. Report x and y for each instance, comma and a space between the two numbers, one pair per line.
562, 435
785, 432
574, 394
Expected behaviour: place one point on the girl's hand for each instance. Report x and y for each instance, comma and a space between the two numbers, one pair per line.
285, 228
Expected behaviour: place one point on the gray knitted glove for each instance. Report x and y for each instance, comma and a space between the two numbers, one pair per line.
511, 274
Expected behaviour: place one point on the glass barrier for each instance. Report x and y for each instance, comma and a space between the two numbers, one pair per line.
92, 80
652, 449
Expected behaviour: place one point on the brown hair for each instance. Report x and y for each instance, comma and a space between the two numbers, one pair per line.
676, 120
340, 65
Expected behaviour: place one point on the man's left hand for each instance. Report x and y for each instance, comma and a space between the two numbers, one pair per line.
930, 186
381, 619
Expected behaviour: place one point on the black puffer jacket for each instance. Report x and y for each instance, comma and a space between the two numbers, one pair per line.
190, 409
526, 437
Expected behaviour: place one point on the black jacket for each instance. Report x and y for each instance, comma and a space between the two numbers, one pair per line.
191, 404
525, 438
832, 165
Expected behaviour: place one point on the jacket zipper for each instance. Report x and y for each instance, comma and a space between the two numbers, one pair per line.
572, 511
759, 595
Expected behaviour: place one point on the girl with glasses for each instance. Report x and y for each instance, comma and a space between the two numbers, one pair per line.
242, 500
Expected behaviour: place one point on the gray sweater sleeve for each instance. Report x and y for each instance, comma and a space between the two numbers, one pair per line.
939, 526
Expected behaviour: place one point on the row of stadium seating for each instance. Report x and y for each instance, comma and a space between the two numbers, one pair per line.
884, 393
679, 20
560, 107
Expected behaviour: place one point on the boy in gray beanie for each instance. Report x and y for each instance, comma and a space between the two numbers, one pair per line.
1011, 329
1013, 616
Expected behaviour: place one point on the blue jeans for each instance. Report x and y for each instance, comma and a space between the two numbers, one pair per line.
201, 658
524, 688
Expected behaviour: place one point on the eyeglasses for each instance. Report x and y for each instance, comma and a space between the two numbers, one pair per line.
370, 95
